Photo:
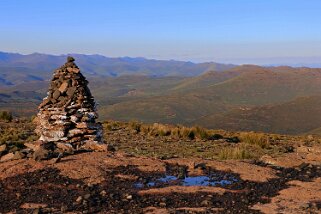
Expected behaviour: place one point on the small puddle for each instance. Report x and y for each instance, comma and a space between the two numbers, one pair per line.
170, 180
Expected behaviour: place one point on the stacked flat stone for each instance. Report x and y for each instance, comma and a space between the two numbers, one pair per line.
67, 116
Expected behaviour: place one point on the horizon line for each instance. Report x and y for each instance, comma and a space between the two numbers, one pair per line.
227, 61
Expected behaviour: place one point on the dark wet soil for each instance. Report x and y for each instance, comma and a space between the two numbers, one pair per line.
116, 195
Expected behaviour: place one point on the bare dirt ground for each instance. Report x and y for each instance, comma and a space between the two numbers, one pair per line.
145, 173
106, 182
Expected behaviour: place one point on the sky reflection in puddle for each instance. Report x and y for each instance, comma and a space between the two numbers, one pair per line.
188, 181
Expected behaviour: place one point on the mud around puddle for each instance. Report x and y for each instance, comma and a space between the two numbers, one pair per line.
106, 183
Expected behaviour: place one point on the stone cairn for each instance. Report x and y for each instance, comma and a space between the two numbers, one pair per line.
66, 117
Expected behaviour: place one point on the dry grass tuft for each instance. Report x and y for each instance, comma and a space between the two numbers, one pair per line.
253, 138
239, 152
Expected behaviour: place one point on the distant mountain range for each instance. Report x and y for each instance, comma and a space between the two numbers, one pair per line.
311, 62
279, 99
18, 68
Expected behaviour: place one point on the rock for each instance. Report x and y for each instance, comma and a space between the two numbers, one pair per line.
268, 159
305, 206
310, 137
34, 146
82, 125
3, 148
63, 87
75, 132
74, 119
36, 211
205, 203
53, 135
103, 193
41, 154
162, 204
18, 155
56, 94
67, 147
68, 119
79, 199
70, 92
76, 70
182, 172
7, 157
57, 160
200, 166
111, 148
70, 59
64, 209
87, 196
95, 146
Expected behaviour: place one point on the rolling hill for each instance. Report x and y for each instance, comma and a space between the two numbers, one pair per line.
248, 97
255, 85
298, 116
235, 99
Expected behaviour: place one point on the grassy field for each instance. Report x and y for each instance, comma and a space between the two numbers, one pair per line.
168, 141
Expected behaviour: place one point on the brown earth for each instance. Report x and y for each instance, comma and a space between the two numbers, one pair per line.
104, 182
284, 176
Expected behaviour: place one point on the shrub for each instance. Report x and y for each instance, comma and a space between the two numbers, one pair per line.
6, 116
187, 133
160, 130
109, 127
252, 138
201, 133
191, 135
145, 129
233, 139
215, 137
135, 125
235, 153
176, 132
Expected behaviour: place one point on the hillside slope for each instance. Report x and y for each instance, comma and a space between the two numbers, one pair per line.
295, 117
260, 86
214, 99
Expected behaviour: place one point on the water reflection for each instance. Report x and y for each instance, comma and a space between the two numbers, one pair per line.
203, 180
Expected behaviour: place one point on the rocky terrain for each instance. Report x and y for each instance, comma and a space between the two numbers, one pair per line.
153, 169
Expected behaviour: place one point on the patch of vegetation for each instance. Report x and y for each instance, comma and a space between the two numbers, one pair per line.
111, 125
177, 131
168, 141
6, 116
15, 134
135, 125
239, 152
253, 138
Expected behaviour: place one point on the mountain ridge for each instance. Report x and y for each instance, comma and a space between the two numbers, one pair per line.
223, 96
42, 65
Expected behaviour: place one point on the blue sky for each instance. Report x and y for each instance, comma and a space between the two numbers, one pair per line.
196, 30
